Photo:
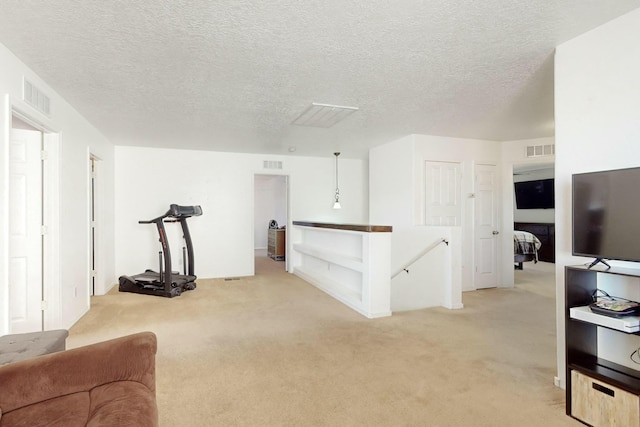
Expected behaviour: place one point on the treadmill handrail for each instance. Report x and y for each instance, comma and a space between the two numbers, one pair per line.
176, 211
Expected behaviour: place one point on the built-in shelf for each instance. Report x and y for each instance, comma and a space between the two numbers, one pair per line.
347, 261
334, 288
350, 262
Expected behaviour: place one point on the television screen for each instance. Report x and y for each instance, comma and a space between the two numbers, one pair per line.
605, 209
538, 194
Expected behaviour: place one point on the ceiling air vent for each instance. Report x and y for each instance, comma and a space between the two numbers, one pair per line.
272, 164
33, 96
323, 115
540, 150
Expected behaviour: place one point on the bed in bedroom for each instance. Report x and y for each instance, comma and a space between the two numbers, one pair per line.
525, 248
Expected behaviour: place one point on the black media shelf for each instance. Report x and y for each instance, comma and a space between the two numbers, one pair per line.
581, 336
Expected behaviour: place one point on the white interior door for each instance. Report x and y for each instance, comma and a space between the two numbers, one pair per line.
442, 193
25, 233
486, 225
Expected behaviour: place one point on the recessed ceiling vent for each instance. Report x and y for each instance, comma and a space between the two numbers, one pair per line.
540, 150
33, 96
323, 115
272, 164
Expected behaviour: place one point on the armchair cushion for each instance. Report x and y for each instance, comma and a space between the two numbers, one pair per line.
14, 348
108, 383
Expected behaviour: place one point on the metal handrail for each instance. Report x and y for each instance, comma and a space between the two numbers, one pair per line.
420, 255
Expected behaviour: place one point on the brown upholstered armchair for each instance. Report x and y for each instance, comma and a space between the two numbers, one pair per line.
111, 383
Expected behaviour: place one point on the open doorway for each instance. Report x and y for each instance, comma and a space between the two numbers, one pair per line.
270, 221
534, 218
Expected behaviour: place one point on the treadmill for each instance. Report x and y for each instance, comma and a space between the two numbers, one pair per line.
166, 282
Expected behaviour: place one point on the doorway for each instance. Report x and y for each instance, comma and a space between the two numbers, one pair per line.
532, 219
270, 221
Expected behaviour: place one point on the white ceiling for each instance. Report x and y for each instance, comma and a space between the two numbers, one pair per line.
231, 75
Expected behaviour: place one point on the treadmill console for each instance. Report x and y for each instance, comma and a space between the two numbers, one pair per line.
178, 211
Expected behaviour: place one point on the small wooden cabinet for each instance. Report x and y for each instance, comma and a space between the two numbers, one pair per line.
276, 243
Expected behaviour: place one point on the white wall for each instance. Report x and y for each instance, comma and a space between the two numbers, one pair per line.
148, 180
467, 152
391, 197
391, 178
597, 107
397, 191
77, 138
433, 280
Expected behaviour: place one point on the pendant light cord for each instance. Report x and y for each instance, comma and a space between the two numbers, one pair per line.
337, 187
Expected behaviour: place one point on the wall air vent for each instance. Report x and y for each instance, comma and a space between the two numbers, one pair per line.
33, 96
272, 164
540, 150
323, 115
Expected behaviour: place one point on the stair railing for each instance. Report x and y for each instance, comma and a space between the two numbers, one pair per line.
420, 255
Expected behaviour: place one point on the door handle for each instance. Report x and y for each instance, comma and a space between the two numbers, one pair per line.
495, 232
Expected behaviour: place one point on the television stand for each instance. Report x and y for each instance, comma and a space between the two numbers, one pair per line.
597, 260
602, 386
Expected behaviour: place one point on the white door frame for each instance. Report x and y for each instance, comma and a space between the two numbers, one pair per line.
288, 209
95, 192
508, 210
51, 206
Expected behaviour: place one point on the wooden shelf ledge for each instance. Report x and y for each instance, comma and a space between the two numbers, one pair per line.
364, 228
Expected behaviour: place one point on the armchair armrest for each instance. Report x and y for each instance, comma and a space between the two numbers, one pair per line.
129, 358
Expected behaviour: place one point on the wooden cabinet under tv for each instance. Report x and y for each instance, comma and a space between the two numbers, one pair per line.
546, 233
600, 390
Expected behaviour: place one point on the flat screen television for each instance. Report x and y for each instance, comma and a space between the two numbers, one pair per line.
538, 194
605, 213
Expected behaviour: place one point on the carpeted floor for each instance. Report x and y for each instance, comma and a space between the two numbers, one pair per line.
272, 350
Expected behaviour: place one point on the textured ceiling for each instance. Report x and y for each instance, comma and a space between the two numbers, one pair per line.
232, 75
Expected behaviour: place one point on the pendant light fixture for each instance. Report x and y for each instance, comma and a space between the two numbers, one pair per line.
336, 204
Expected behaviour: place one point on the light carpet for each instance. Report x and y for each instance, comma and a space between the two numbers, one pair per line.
272, 350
